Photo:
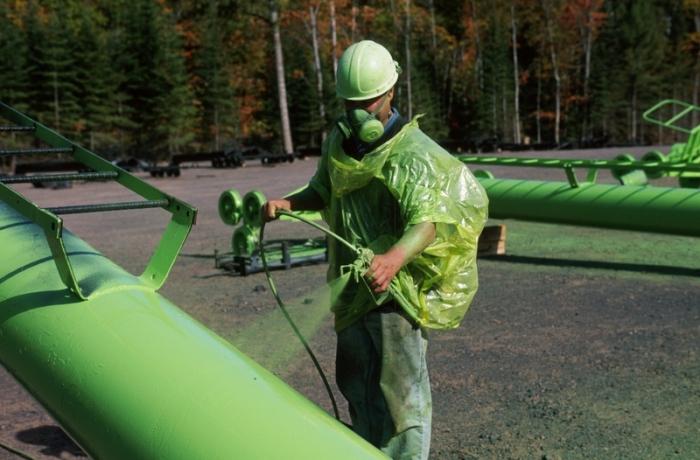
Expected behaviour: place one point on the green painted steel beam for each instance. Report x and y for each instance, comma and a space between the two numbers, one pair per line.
642, 208
129, 375
563, 163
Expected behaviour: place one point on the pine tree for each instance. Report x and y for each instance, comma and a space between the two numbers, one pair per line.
13, 63
217, 115
120, 59
497, 67
35, 35
643, 58
155, 82
629, 66
176, 109
94, 82
13, 80
58, 74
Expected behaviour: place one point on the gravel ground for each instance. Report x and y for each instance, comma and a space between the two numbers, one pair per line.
581, 343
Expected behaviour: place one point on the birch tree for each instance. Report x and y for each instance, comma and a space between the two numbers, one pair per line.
546, 8
585, 17
313, 30
516, 76
334, 38
281, 82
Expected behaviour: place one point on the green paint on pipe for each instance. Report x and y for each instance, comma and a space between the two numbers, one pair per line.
129, 375
640, 208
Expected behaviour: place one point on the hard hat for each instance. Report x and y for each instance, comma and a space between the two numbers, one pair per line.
365, 70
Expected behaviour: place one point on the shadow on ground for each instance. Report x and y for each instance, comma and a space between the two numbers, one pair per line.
54, 441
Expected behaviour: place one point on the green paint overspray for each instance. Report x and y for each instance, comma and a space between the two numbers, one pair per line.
271, 341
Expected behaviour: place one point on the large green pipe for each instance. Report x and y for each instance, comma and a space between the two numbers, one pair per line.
130, 376
643, 208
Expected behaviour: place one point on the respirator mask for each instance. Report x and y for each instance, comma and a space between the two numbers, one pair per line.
362, 124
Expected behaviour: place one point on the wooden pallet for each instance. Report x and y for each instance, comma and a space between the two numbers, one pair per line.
492, 241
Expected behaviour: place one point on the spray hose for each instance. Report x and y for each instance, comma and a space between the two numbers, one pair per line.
364, 258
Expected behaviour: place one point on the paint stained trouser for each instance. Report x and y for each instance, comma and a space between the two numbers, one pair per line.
381, 370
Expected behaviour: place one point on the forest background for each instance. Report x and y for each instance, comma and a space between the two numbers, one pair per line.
150, 78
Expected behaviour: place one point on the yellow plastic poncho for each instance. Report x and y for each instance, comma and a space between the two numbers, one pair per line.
405, 181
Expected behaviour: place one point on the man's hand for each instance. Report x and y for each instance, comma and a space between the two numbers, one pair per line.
269, 209
384, 267
306, 199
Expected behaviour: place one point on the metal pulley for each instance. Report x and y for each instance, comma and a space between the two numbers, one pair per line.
628, 175
231, 207
252, 202
656, 157
620, 171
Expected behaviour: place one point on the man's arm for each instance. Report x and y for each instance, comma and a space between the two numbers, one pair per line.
385, 266
304, 200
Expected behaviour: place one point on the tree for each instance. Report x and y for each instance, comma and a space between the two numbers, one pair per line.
14, 86
407, 44
516, 76
691, 46
313, 30
281, 83
155, 77
155, 82
639, 49
95, 84
334, 37
587, 17
52, 70
496, 64
554, 56
215, 93
177, 112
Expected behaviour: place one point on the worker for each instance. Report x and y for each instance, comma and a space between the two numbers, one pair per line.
382, 184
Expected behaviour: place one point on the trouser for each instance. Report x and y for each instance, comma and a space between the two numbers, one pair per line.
381, 370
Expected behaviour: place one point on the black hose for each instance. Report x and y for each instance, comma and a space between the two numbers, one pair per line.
289, 318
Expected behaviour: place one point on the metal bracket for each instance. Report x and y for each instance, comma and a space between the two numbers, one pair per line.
591, 176
52, 226
570, 175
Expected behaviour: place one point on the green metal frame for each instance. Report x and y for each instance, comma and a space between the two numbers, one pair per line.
568, 165
649, 114
171, 242
691, 149
683, 159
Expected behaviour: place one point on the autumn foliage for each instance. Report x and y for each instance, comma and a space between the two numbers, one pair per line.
152, 78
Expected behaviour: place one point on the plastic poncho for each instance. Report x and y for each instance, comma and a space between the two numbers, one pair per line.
405, 181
